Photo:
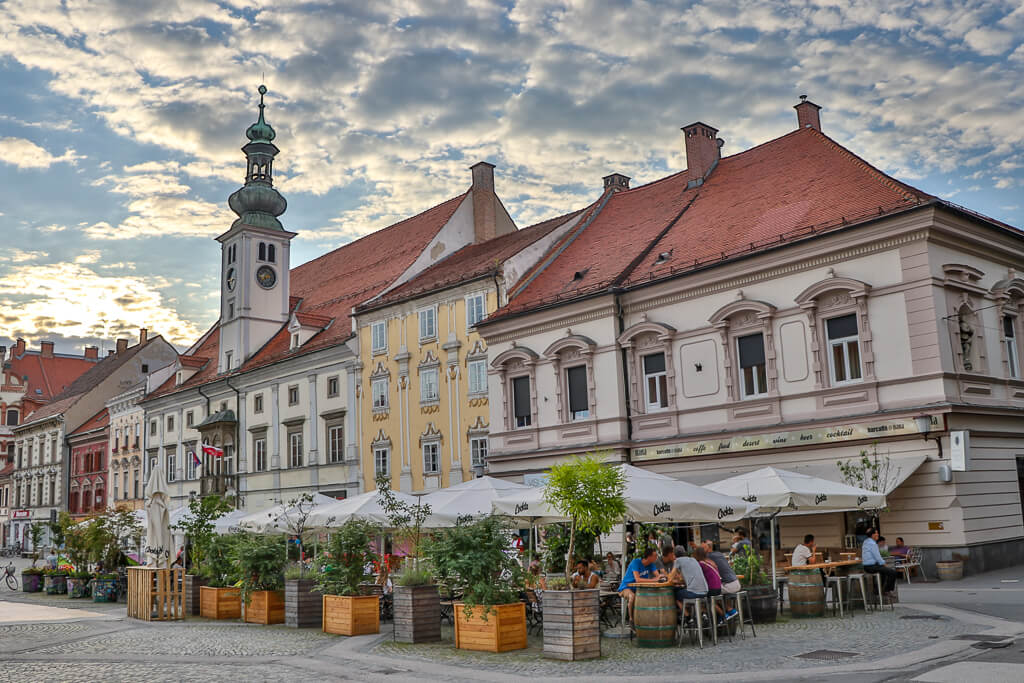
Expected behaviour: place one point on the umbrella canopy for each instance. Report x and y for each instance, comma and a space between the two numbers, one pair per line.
650, 497
363, 506
773, 488
159, 543
283, 518
222, 525
472, 498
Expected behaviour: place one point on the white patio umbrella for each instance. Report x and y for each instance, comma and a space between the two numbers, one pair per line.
778, 491
282, 518
159, 543
473, 498
363, 506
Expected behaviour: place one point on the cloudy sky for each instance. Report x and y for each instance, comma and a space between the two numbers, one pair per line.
122, 120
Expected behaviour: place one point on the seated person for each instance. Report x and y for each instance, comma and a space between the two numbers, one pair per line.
611, 566
740, 542
711, 575
804, 553
687, 573
874, 563
534, 579
640, 570
730, 584
664, 562
584, 577
899, 550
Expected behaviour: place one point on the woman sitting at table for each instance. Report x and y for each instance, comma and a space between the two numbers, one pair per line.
730, 584
612, 568
534, 579
711, 576
584, 577
899, 550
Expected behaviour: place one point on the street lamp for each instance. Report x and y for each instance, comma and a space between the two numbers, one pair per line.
924, 426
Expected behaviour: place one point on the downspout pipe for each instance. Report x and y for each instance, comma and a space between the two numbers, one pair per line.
620, 318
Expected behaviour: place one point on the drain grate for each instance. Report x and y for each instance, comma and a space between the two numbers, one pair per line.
988, 645
826, 655
932, 617
981, 637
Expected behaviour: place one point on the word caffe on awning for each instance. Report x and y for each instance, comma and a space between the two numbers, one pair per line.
802, 437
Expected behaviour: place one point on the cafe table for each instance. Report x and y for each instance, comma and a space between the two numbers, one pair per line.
806, 590
654, 614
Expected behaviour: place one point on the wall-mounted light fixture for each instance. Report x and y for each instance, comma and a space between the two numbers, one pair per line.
924, 425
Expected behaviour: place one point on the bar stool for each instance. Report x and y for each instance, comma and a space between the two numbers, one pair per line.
881, 595
697, 613
714, 600
782, 582
856, 581
745, 616
834, 585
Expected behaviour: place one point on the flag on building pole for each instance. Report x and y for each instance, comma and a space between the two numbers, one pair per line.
213, 450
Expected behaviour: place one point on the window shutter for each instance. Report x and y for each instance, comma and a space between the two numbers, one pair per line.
577, 378
751, 350
654, 363
843, 326
521, 395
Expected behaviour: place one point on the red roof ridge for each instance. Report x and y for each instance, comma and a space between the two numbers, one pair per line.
312, 318
909, 192
193, 361
97, 421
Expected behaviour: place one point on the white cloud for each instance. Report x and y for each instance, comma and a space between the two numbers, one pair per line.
27, 154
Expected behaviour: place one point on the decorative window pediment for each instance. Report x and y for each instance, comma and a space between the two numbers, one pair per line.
382, 440
960, 274
380, 370
429, 361
478, 428
431, 433
833, 292
646, 331
1008, 289
571, 344
516, 357
478, 352
742, 313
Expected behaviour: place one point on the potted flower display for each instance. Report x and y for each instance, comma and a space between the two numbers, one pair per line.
417, 603
197, 525
590, 494
764, 604
76, 547
303, 603
261, 562
341, 570
55, 581
32, 579
490, 616
220, 598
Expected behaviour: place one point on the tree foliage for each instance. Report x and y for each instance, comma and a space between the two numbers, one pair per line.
261, 560
405, 519
220, 567
750, 566
871, 471
589, 493
343, 564
197, 525
106, 533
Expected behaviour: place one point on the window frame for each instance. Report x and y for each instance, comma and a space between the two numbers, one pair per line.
843, 343
333, 386
293, 395
295, 459
475, 449
1011, 347
435, 447
758, 379
425, 376
432, 310
171, 462
515, 417
382, 326
480, 363
257, 404
335, 437
382, 384
576, 416
377, 452
480, 297
661, 383
259, 452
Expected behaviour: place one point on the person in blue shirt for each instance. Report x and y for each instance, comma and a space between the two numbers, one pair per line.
640, 570
874, 563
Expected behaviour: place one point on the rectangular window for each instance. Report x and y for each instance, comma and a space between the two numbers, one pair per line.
227, 360
335, 443
136, 444
259, 453
428, 324
170, 423
474, 309
379, 388
189, 419
477, 370
431, 458
152, 428
655, 382
844, 348
521, 402
135, 483
753, 377
428, 384
576, 380
124, 489
115, 488
170, 466
380, 462
293, 395
257, 403
190, 462
332, 387
379, 336
1010, 334
478, 451
295, 449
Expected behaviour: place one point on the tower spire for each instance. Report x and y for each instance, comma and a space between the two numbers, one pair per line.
257, 203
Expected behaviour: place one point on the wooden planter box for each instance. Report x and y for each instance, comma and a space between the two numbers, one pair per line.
504, 628
351, 615
192, 585
220, 603
572, 624
265, 607
56, 584
156, 594
104, 590
417, 612
303, 607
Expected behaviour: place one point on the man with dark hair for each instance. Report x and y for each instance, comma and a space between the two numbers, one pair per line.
740, 540
804, 553
874, 563
640, 570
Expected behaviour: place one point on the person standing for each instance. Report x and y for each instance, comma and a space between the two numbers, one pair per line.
874, 563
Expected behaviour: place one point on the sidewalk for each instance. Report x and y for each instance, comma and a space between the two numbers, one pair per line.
998, 594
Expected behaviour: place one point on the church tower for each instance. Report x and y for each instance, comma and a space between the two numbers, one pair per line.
254, 255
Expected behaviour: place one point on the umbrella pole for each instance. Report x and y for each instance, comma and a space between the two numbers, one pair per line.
621, 631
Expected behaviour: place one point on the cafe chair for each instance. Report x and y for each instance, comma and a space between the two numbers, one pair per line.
782, 582
713, 601
913, 561
834, 591
745, 616
856, 580
881, 595
698, 608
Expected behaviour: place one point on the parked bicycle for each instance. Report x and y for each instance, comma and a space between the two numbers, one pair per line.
10, 578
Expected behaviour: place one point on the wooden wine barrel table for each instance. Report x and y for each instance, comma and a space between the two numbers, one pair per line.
654, 614
806, 593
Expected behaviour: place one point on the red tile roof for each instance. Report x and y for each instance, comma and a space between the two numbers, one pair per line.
469, 263
47, 376
311, 320
193, 361
330, 286
97, 421
792, 187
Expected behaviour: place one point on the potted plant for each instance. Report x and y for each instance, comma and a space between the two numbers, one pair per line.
341, 570
764, 605
303, 604
261, 562
103, 537
55, 581
104, 587
220, 597
590, 494
473, 555
197, 525
32, 579
78, 583
417, 603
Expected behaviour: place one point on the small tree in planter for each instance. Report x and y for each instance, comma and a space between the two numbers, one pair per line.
198, 528
763, 599
417, 604
104, 537
475, 556
220, 598
590, 494
342, 569
261, 564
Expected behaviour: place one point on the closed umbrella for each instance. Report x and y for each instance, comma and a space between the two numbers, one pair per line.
782, 491
159, 543
473, 498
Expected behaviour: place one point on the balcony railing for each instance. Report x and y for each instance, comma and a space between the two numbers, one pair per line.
218, 484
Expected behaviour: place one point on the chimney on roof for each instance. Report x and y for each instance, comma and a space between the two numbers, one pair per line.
143, 335
122, 345
807, 115
92, 353
19, 347
616, 182
703, 150
484, 218
46, 349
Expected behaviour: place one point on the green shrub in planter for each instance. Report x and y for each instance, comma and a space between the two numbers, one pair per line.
219, 566
260, 561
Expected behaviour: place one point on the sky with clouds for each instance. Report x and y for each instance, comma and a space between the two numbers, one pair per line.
122, 121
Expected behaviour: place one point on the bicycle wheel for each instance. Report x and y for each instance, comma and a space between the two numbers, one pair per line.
12, 582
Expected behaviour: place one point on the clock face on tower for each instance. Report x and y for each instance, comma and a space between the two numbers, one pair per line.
266, 277
231, 279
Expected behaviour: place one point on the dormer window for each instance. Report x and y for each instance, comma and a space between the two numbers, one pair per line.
295, 341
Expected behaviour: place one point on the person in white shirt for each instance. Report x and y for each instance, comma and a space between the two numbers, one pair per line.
802, 554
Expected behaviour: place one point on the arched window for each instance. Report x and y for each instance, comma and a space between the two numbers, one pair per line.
271, 256
262, 251
651, 370
837, 312
517, 367
745, 326
572, 358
